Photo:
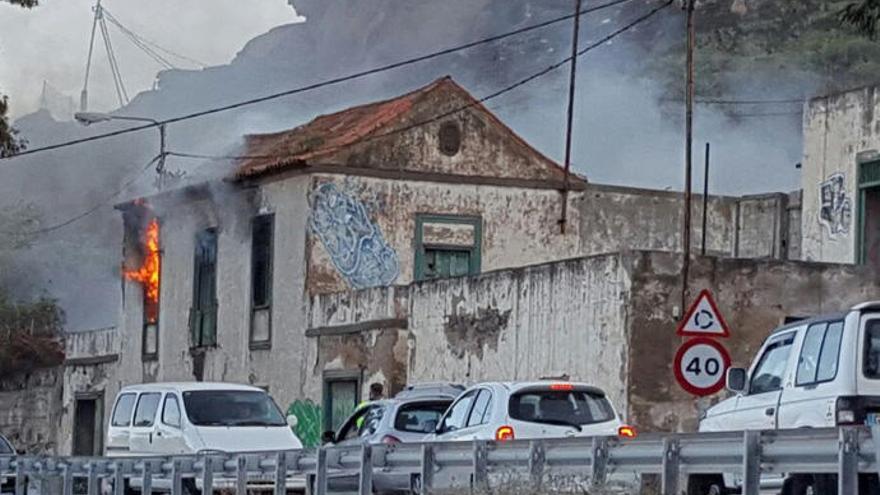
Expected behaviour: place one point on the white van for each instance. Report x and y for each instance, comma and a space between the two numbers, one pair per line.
820, 372
161, 419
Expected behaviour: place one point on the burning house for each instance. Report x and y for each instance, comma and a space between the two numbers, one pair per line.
419, 238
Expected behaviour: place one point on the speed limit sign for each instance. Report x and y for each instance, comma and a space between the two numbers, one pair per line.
701, 366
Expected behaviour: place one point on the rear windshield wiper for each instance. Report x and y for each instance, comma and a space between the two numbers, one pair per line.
559, 422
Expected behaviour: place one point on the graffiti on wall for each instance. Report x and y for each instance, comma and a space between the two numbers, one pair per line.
836, 208
309, 423
354, 243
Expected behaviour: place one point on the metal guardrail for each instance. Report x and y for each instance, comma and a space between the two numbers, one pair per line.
846, 451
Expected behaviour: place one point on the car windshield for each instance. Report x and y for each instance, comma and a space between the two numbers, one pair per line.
5, 448
231, 408
420, 417
560, 407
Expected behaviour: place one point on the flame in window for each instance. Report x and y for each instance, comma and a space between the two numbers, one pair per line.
148, 273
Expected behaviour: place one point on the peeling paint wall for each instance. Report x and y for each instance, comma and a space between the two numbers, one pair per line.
519, 225
281, 367
523, 324
754, 296
840, 131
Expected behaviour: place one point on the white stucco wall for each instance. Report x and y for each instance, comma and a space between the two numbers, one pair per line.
839, 131
525, 324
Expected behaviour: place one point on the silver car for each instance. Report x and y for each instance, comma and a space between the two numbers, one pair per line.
408, 417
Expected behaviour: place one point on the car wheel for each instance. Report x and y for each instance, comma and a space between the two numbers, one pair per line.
706, 484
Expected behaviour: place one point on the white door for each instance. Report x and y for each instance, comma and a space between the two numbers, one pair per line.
118, 432
809, 399
758, 407
143, 426
169, 437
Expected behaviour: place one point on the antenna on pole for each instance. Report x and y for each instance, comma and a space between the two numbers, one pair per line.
84, 95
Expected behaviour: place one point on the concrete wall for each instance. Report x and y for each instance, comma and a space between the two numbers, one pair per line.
29, 409
279, 367
754, 296
839, 131
564, 318
621, 218
91, 368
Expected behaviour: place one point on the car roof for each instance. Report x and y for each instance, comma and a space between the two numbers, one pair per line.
435, 390
514, 387
866, 306
188, 387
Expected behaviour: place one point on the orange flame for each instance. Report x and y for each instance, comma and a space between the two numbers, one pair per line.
148, 273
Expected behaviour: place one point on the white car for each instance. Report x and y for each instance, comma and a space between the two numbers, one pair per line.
523, 410
161, 419
815, 373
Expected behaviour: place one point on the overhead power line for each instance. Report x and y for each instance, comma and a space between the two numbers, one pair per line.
484, 99
321, 84
592, 46
710, 101
93, 209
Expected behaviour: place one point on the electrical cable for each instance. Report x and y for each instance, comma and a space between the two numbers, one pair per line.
152, 46
139, 41
482, 100
441, 116
321, 84
91, 210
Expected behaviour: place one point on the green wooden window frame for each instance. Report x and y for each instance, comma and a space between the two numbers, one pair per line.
203, 314
868, 178
262, 266
475, 250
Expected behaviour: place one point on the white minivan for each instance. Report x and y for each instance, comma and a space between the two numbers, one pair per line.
161, 419
820, 372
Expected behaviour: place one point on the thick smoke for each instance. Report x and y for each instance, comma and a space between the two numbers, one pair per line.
625, 134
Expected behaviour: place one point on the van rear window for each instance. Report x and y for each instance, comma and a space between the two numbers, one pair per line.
560, 407
872, 349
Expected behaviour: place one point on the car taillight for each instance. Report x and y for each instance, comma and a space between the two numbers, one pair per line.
627, 431
504, 434
390, 440
847, 411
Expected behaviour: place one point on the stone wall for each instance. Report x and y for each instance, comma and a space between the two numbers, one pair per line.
754, 296
30, 406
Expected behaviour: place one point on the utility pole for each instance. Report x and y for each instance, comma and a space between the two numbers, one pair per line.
705, 199
571, 100
84, 96
688, 159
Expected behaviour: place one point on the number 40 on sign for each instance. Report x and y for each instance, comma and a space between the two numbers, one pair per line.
701, 366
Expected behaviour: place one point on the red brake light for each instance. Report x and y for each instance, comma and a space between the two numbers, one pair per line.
390, 440
504, 434
626, 431
562, 387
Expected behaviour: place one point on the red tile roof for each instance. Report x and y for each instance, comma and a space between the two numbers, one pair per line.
327, 134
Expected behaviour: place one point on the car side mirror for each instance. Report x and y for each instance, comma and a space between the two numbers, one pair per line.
328, 437
736, 380
20, 452
292, 420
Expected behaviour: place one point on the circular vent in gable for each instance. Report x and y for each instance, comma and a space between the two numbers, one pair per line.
449, 137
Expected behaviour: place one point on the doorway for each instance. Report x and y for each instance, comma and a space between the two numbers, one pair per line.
870, 228
88, 424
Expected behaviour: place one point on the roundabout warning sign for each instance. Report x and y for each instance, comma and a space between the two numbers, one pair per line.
701, 366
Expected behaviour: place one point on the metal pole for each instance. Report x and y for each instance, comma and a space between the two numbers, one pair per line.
688, 159
705, 199
570, 122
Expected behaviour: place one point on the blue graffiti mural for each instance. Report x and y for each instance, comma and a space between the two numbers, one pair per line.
355, 244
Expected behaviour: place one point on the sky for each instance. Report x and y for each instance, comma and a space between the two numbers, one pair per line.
50, 43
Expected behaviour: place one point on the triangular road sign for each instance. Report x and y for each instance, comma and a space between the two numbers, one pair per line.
704, 319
